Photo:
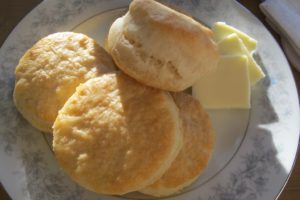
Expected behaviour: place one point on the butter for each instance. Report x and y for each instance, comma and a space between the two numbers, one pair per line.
233, 45
227, 87
222, 30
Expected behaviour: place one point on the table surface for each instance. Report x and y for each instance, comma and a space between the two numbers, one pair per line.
12, 11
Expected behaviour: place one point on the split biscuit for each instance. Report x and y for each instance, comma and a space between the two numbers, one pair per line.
49, 72
161, 47
115, 135
198, 140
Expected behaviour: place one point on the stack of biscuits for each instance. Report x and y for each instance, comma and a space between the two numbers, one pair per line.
120, 120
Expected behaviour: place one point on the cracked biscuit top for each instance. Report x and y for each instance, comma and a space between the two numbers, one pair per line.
161, 47
49, 72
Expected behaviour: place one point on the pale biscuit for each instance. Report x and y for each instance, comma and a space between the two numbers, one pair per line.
115, 135
161, 47
48, 74
198, 140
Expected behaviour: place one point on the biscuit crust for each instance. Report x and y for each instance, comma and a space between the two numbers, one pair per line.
115, 135
49, 72
161, 47
198, 140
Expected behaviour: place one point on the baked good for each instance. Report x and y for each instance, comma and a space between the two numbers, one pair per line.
115, 135
161, 47
198, 140
49, 72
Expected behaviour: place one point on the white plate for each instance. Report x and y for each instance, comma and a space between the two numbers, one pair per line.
255, 149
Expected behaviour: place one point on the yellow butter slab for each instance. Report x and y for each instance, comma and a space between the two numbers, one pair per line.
222, 30
227, 87
233, 45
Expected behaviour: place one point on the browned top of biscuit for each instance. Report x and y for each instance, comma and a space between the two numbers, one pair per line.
115, 135
198, 140
171, 22
49, 72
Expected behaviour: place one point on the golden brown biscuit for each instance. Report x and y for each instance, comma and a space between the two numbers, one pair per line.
161, 47
115, 135
197, 147
48, 74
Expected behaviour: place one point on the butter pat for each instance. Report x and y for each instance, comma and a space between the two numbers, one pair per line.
233, 45
222, 30
227, 87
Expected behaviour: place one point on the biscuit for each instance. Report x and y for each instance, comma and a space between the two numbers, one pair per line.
198, 139
49, 72
115, 135
161, 47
